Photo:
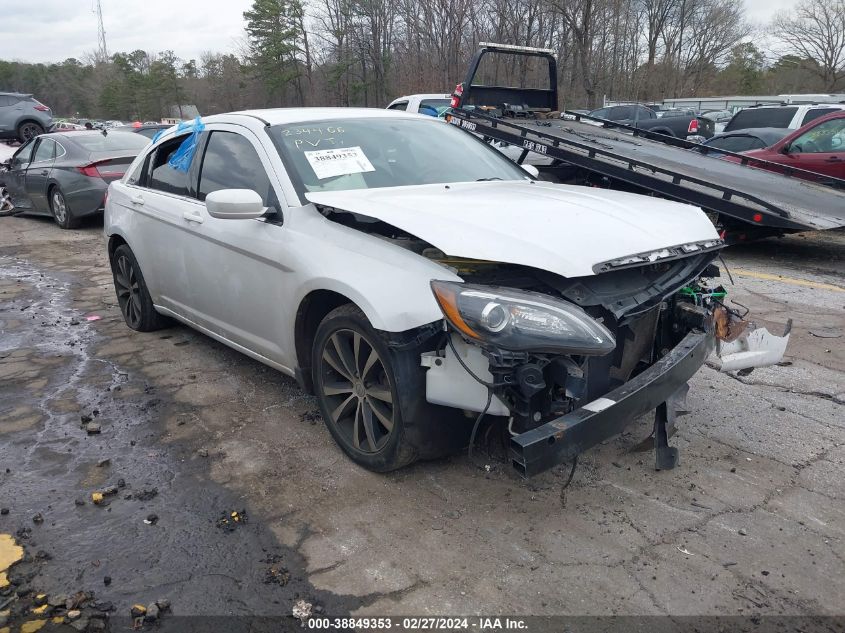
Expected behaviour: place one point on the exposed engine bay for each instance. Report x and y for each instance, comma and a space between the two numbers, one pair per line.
643, 305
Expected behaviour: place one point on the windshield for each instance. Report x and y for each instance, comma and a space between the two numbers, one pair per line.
371, 153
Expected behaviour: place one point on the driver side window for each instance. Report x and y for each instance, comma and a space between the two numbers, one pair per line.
825, 137
23, 155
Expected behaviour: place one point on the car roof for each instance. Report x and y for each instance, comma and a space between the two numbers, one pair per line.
280, 116
75, 134
16, 94
809, 106
427, 95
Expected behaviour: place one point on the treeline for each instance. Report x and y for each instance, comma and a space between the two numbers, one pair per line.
367, 52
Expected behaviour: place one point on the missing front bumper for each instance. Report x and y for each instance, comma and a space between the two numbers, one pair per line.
565, 437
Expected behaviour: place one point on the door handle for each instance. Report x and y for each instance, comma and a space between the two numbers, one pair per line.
44, 172
834, 159
137, 200
192, 216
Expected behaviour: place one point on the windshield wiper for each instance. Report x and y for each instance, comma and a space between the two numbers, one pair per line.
487, 179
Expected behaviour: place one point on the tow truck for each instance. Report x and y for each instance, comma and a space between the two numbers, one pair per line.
742, 199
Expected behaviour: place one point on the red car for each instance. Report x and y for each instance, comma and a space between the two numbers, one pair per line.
819, 147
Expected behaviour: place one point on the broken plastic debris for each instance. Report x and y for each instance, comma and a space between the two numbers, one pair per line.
93, 317
683, 550
756, 347
302, 610
97, 497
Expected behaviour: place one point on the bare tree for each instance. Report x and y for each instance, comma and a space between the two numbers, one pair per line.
815, 32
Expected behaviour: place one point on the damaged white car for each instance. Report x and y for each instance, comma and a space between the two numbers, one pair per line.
414, 279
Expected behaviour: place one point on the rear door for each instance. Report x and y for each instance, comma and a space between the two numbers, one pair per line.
38, 173
8, 113
820, 149
159, 198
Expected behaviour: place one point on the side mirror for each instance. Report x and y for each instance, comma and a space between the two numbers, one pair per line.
234, 204
532, 170
786, 149
6, 163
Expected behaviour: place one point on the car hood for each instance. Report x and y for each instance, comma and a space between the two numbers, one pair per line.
559, 228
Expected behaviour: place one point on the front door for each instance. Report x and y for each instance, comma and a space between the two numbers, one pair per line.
38, 173
820, 149
239, 269
16, 178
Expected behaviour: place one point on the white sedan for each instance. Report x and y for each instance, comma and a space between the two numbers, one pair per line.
414, 279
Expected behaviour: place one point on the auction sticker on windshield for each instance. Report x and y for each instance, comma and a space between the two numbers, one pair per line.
328, 163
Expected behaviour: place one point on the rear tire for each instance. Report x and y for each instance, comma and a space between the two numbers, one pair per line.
28, 130
133, 298
60, 209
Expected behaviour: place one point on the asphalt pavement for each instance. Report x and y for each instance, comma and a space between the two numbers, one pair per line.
751, 522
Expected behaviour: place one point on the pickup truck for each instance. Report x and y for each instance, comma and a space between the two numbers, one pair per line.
790, 117
684, 126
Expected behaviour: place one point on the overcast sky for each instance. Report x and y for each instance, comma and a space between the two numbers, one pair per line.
53, 30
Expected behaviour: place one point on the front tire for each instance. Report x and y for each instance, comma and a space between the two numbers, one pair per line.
362, 389
133, 298
61, 211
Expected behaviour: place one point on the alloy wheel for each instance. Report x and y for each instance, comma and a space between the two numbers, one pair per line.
59, 207
29, 131
128, 291
357, 390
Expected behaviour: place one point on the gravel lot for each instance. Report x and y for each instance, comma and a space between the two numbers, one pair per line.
752, 520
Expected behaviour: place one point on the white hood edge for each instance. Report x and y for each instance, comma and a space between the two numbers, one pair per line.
559, 228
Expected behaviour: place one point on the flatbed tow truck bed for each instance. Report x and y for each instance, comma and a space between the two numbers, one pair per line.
763, 202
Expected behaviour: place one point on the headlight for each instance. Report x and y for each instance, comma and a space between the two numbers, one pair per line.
521, 320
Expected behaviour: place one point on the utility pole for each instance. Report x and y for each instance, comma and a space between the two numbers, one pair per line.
102, 51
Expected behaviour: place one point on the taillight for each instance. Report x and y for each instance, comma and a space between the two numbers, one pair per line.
693, 127
99, 170
456, 96
42, 108
89, 170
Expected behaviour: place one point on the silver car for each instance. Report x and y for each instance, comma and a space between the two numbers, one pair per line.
23, 117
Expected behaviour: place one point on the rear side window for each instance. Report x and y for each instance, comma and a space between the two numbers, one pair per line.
814, 114
761, 117
45, 151
622, 112
7, 100
231, 162
402, 105
162, 176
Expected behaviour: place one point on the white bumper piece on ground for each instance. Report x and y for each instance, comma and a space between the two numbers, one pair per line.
756, 347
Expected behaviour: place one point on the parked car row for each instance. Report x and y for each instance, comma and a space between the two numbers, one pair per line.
818, 146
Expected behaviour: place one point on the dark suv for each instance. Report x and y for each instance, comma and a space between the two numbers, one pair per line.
22, 116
